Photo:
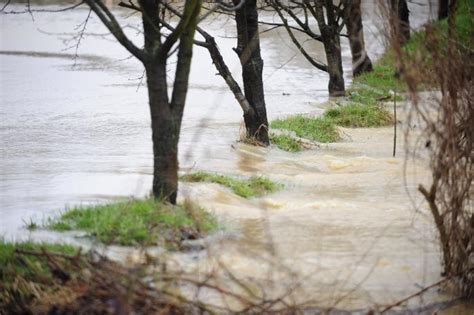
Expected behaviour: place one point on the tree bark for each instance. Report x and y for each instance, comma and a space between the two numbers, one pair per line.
332, 46
443, 9
165, 134
353, 19
166, 115
248, 49
401, 19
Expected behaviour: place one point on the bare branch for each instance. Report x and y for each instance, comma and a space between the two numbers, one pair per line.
315, 63
81, 34
179, 30
29, 10
114, 27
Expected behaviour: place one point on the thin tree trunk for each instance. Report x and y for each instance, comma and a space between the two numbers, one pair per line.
404, 14
401, 18
248, 49
353, 18
227, 75
166, 115
164, 134
443, 9
332, 46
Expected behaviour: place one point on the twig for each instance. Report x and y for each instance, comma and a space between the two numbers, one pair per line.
418, 293
394, 122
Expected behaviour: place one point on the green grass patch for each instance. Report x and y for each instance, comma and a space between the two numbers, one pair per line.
285, 142
30, 266
381, 80
23, 276
137, 222
359, 115
318, 129
323, 129
379, 85
252, 187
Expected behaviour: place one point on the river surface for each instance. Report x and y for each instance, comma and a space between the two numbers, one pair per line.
75, 129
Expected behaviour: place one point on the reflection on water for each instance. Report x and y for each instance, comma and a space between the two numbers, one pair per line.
344, 222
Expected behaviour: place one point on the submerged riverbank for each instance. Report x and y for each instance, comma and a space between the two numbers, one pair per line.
341, 232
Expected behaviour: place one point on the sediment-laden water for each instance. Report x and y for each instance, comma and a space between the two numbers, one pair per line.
76, 130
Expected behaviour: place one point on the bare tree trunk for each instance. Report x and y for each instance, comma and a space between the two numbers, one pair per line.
443, 9
401, 18
166, 114
164, 134
353, 19
332, 46
248, 49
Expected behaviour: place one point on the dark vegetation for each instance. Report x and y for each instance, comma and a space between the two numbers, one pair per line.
442, 57
59, 279
25, 278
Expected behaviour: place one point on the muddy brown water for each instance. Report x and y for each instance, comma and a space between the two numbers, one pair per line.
77, 131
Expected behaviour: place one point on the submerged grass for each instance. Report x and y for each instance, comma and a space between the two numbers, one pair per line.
318, 129
252, 187
286, 142
324, 128
137, 222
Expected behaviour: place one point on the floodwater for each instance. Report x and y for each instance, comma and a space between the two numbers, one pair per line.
75, 129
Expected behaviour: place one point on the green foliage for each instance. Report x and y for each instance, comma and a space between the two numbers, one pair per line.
254, 186
359, 115
143, 222
285, 142
318, 129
